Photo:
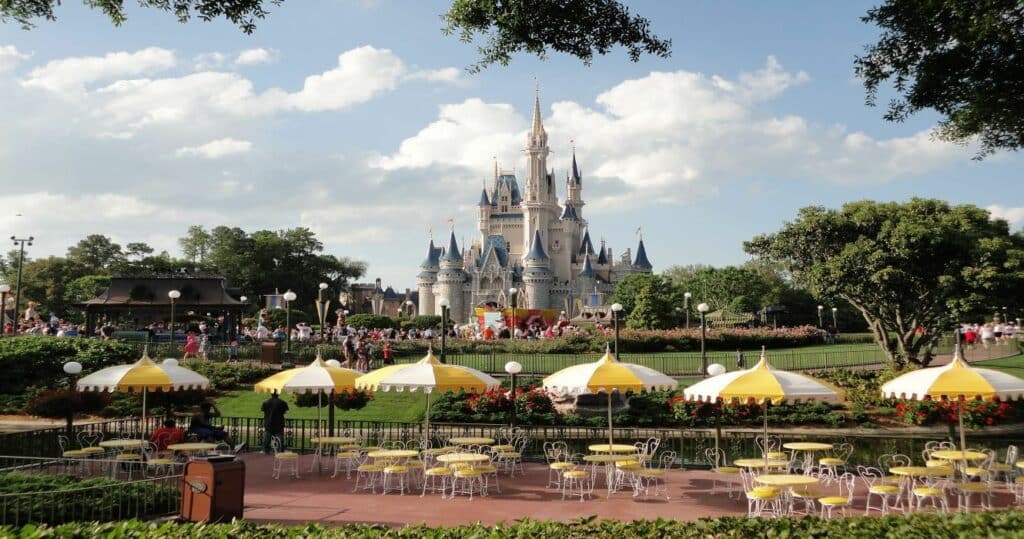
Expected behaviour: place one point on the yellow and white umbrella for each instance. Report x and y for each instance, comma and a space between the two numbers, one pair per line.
607, 374
763, 384
955, 381
318, 376
427, 374
144, 375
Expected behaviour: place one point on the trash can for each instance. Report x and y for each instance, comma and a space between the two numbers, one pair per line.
213, 491
270, 352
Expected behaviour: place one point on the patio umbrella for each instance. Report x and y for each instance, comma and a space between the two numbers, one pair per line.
317, 376
955, 381
762, 383
144, 375
607, 374
427, 374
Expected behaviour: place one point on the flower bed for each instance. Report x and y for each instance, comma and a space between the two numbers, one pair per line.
977, 413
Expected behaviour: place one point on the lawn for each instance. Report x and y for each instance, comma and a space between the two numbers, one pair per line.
385, 406
1011, 365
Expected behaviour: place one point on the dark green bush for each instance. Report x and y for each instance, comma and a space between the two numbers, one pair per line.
39, 361
370, 321
229, 376
57, 402
422, 321
146, 498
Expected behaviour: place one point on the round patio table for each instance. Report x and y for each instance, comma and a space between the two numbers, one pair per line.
393, 454
334, 440
808, 449
954, 455
191, 448
462, 458
614, 448
1020, 464
608, 460
759, 463
471, 440
787, 481
122, 444
913, 473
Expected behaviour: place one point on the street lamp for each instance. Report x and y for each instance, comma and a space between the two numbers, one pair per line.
444, 325
513, 368
835, 324
409, 307
703, 310
73, 369
616, 309
820, 307
288, 297
686, 307
4, 290
21, 264
321, 308
512, 292
173, 295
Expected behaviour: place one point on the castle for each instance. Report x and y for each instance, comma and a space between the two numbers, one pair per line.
528, 241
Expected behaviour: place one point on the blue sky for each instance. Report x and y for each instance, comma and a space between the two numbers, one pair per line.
357, 119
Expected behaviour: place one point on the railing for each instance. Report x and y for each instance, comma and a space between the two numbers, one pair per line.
96, 500
43, 442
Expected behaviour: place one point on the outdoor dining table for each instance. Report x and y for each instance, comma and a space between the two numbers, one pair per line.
608, 460
393, 454
614, 448
957, 455
462, 458
471, 440
760, 463
191, 448
321, 441
910, 474
808, 449
788, 481
122, 444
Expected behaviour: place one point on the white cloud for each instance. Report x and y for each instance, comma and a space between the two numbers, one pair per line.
250, 57
1014, 216
671, 136
447, 74
361, 74
209, 60
216, 149
71, 75
10, 57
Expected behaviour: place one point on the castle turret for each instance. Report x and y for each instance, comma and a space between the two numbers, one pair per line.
537, 276
426, 279
450, 281
574, 188
641, 263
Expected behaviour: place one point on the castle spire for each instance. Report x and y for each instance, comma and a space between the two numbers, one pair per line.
452, 254
575, 169
538, 127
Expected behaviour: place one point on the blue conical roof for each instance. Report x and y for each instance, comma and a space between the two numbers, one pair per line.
484, 201
536, 249
586, 247
569, 214
433, 254
588, 270
602, 257
575, 170
452, 254
641, 257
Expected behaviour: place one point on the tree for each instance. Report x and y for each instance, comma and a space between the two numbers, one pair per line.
655, 294
195, 244
96, 253
45, 281
137, 250
910, 269
243, 13
961, 58
577, 27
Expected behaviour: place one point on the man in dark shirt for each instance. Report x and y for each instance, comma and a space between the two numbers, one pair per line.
273, 420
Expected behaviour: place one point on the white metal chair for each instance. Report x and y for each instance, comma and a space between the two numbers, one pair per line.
579, 481
723, 473
841, 502
828, 467
889, 495
761, 500
283, 457
656, 479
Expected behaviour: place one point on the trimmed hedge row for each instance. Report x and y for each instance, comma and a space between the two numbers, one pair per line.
56, 505
1008, 524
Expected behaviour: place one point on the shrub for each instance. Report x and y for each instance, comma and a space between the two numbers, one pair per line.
56, 402
229, 376
38, 361
706, 414
370, 321
344, 400
146, 498
422, 321
977, 412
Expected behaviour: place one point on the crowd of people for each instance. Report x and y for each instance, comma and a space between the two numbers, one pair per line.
987, 334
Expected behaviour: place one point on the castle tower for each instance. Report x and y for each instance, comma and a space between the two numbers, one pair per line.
537, 276
641, 264
540, 202
426, 279
587, 279
484, 214
450, 281
574, 189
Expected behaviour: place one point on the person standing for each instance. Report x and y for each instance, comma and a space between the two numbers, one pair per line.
741, 363
273, 421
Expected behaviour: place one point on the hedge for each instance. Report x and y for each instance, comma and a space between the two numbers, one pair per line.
1008, 524
146, 498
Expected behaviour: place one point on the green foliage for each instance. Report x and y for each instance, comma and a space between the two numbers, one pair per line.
577, 27
652, 307
422, 321
229, 376
96, 253
345, 400
273, 318
54, 508
911, 269
370, 321
57, 402
985, 523
708, 414
39, 361
977, 413
960, 58
243, 13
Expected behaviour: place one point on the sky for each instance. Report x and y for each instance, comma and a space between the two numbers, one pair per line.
359, 120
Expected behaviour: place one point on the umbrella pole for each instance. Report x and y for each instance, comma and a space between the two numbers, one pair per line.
963, 440
764, 448
319, 432
609, 421
142, 429
426, 416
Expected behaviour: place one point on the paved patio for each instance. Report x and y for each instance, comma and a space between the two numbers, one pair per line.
319, 498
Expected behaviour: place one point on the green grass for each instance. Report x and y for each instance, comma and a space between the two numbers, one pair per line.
385, 406
1011, 365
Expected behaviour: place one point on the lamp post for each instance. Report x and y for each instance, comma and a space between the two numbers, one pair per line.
820, 307
616, 309
513, 368
21, 264
321, 308
409, 306
288, 297
835, 324
512, 292
444, 326
703, 309
4, 290
686, 307
73, 369
173, 295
